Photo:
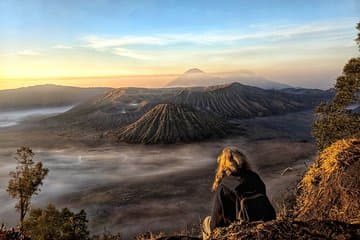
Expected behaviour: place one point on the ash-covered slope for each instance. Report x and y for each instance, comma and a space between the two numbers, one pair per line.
240, 101
171, 123
114, 109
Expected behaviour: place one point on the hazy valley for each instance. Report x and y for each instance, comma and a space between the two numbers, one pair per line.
135, 188
179, 120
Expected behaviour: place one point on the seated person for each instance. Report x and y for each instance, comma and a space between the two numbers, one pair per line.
240, 194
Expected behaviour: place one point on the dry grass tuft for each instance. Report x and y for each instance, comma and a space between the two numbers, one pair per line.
331, 187
288, 229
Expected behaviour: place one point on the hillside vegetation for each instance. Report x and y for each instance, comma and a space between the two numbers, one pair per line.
331, 187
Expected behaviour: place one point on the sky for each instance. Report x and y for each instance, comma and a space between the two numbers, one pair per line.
147, 43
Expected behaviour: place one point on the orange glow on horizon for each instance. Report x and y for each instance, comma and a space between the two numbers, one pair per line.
148, 81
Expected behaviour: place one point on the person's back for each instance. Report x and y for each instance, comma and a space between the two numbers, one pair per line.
240, 194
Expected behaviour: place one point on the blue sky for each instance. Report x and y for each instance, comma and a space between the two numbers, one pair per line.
55, 39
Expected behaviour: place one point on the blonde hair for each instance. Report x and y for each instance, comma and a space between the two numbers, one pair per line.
230, 161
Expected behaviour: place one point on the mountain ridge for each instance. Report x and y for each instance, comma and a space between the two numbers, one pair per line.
47, 95
122, 107
236, 100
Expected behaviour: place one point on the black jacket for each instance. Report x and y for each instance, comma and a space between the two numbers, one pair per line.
224, 208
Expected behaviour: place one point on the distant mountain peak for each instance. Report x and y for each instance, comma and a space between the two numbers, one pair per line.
197, 78
193, 70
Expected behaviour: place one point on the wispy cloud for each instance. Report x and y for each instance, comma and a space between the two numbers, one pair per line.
60, 46
269, 38
25, 52
130, 53
274, 33
28, 52
104, 42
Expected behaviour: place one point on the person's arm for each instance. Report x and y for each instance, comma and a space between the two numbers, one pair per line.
217, 215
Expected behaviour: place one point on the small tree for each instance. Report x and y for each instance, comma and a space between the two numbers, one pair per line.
25, 180
335, 120
51, 223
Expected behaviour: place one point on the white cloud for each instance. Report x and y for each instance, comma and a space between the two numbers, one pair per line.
257, 41
28, 52
131, 54
103, 42
59, 46
264, 33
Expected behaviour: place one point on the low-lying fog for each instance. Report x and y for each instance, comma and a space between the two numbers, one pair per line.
134, 188
12, 118
74, 171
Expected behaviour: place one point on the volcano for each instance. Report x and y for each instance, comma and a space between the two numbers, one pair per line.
172, 123
195, 77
